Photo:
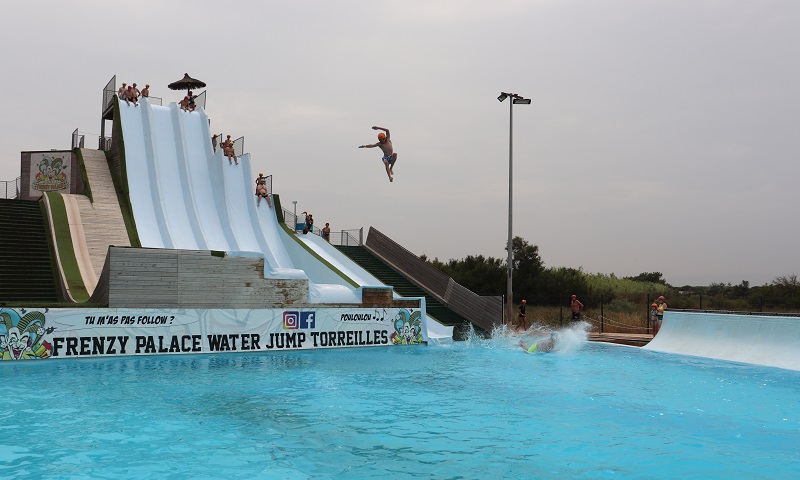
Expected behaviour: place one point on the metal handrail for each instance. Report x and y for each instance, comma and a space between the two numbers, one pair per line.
342, 238
78, 139
238, 145
154, 100
108, 93
9, 189
200, 100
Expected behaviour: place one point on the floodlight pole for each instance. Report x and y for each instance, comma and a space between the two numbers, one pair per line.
509, 261
512, 99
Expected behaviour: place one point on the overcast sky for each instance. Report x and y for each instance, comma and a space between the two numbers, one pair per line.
662, 135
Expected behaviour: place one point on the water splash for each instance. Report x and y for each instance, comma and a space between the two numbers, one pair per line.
569, 339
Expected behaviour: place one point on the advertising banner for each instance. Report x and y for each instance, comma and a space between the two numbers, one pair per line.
50, 172
75, 332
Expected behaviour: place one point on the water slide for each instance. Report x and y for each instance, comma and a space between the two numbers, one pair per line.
184, 195
758, 339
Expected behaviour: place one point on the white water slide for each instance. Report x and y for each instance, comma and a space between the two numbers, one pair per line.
186, 196
770, 340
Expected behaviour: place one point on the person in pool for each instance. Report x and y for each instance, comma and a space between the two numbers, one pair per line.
389, 155
546, 345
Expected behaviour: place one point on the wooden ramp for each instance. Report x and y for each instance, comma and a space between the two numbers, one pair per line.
634, 339
97, 224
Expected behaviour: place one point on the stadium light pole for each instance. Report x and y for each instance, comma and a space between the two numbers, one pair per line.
515, 99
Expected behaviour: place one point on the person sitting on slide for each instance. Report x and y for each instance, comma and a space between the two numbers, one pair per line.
130, 96
389, 155
228, 151
261, 190
546, 345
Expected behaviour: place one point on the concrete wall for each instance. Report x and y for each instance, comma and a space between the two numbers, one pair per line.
155, 277
149, 277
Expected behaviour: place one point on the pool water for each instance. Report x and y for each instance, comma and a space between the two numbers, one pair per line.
482, 409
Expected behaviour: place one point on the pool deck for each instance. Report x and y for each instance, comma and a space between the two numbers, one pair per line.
634, 339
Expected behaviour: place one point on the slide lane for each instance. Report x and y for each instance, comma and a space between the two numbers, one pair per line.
200, 175
214, 164
762, 340
236, 205
184, 174
339, 260
168, 177
144, 195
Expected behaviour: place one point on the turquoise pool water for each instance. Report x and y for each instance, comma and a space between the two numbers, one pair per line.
476, 410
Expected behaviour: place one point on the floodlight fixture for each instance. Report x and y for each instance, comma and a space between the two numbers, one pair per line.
502, 96
523, 101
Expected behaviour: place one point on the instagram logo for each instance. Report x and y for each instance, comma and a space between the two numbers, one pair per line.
291, 320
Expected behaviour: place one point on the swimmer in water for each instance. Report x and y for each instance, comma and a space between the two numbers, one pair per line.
546, 345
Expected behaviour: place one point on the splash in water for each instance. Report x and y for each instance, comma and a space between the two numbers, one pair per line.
566, 340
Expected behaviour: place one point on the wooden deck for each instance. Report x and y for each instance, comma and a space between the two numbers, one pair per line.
634, 339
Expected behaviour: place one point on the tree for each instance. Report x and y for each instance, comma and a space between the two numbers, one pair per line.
653, 277
528, 266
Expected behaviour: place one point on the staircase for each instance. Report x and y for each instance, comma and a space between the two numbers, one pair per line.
404, 287
26, 268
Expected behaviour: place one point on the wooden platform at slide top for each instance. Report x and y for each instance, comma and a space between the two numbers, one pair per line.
634, 339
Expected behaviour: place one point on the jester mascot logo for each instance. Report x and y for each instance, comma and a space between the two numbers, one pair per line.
21, 337
407, 328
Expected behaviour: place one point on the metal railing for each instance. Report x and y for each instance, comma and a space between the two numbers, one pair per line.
238, 145
78, 139
10, 188
349, 238
108, 93
483, 311
154, 100
200, 100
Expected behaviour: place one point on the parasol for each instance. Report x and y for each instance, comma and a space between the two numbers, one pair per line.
187, 83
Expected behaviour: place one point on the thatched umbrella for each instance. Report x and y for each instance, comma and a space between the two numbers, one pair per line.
186, 82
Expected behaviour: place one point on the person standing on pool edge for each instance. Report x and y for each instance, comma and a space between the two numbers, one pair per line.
661, 305
576, 306
385, 144
522, 318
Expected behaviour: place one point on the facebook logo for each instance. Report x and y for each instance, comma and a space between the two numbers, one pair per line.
308, 320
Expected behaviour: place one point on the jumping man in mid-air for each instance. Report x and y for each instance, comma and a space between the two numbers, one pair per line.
385, 144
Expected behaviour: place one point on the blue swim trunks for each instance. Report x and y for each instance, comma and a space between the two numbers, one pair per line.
389, 158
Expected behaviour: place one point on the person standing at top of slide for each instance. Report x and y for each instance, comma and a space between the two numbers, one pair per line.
385, 144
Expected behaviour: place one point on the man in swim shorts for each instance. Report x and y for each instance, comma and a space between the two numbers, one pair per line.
522, 318
661, 305
577, 307
229, 151
385, 144
261, 190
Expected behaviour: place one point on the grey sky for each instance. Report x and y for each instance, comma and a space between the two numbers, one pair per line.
663, 134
